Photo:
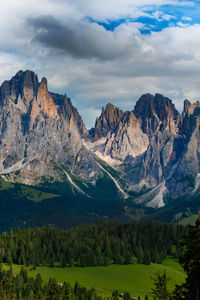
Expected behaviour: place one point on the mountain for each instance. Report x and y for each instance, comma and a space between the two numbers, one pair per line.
40, 132
147, 157
154, 146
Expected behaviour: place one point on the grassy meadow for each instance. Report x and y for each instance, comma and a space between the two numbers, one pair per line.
135, 278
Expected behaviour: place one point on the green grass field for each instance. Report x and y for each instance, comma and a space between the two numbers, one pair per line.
133, 278
29, 192
36, 195
189, 220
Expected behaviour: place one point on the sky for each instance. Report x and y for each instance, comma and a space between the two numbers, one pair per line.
104, 51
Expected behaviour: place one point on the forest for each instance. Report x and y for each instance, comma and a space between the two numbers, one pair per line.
17, 243
92, 245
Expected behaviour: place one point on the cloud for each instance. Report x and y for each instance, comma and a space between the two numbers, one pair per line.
114, 9
95, 66
188, 19
181, 24
160, 16
81, 40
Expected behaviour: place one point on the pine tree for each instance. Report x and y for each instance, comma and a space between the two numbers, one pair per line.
191, 265
160, 282
115, 295
38, 282
127, 296
147, 257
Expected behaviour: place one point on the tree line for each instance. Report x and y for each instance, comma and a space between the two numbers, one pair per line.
91, 245
190, 261
24, 287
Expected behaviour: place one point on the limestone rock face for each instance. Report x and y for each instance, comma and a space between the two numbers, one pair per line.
154, 148
186, 174
39, 129
108, 121
159, 120
156, 114
122, 139
156, 145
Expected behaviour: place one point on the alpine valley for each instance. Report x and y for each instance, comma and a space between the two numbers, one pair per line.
132, 165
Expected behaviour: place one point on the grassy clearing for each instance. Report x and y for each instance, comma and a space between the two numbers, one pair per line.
5, 185
133, 278
36, 195
189, 220
28, 192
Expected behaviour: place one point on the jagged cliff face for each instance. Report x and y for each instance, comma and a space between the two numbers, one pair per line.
153, 147
159, 120
185, 177
124, 138
39, 129
158, 147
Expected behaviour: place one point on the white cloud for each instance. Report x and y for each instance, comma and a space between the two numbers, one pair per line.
119, 66
114, 9
185, 18
181, 24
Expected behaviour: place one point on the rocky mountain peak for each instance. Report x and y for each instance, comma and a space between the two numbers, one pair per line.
161, 106
37, 123
153, 111
72, 115
112, 115
23, 84
108, 121
151, 146
165, 108
190, 109
129, 119
145, 106
190, 118
31, 99
186, 107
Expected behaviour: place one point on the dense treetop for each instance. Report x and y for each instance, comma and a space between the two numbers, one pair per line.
91, 245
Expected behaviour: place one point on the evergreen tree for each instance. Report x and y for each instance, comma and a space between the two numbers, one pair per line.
147, 257
90, 245
191, 265
160, 282
115, 295
127, 296
38, 282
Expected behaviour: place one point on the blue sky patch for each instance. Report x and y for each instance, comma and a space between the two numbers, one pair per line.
158, 17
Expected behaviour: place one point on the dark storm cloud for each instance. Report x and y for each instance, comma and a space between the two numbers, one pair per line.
82, 40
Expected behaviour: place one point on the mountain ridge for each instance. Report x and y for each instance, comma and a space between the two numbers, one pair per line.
154, 149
